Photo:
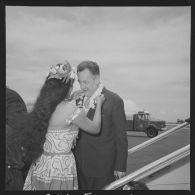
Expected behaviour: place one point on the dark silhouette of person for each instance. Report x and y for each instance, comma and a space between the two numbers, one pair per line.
15, 167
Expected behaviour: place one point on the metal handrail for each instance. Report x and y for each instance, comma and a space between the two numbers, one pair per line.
157, 138
150, 168
123, 181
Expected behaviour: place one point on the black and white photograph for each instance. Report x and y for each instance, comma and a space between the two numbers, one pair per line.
97, 98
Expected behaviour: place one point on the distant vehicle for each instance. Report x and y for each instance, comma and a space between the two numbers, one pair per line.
180, 121
142, 122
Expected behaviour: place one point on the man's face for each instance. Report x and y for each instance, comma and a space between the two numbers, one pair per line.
88, 82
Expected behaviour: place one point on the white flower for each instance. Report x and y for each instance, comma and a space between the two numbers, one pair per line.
61, 70
92, 101
53, 71
73, 73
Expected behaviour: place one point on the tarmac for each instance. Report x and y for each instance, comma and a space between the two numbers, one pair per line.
155, 151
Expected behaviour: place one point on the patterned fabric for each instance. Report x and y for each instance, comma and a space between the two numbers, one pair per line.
56, 167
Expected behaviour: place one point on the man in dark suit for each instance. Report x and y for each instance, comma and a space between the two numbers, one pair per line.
15, 106
101, 158
16, 170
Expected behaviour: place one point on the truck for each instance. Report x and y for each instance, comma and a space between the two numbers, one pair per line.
142, 122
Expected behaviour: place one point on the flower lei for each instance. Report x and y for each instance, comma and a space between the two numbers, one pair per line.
92, 102
80, 100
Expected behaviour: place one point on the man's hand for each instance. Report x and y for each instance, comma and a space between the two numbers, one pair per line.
74, 142
119, 174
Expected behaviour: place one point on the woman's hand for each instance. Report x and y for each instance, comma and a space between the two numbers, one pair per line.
100, 99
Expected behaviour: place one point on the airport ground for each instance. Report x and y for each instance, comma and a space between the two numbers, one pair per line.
157, 150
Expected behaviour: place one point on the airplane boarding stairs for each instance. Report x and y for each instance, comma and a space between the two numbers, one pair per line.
170, 172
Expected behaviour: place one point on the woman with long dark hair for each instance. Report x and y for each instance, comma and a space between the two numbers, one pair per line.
52, 125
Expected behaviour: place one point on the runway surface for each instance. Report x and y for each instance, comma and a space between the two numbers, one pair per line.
155, 151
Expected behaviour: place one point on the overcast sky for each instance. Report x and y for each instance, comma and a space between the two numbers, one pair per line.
143, 52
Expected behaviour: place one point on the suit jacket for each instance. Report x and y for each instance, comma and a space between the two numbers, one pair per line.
14, 162
15, 106
99, 155
15, 110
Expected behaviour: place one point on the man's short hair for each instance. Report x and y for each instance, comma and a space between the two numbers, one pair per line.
90, 65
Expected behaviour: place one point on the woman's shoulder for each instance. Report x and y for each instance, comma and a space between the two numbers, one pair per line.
64, 109
67, 105
62, 116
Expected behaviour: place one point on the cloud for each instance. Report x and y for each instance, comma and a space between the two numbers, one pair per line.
57, 37
130, 107
179, 85
143, 52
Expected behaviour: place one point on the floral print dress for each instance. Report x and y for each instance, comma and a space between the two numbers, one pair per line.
55, 169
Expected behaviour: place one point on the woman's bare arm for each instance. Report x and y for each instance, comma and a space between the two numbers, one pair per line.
90, 126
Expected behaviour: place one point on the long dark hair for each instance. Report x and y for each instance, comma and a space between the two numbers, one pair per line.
37, 121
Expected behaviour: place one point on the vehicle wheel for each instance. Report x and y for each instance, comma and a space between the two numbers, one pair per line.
151, 132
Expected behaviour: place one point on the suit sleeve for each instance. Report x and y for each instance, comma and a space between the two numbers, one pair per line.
119, 122
15, 106
14, 103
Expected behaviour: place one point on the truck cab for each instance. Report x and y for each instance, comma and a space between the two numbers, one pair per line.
142, 122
